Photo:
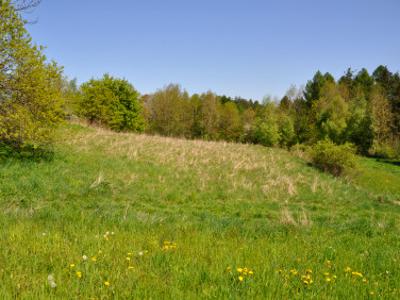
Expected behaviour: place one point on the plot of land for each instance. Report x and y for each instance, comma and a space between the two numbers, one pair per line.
134, 216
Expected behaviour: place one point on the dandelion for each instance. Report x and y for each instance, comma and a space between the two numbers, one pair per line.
84, 257
128, 258
240, 270
357, 274
72, 266
93, 259
129, 254
168, 246
79, 274
347, 270
241, 278
107, 283
328, 279
293, 272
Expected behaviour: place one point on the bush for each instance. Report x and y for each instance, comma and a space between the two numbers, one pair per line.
335, 159
111, 102
31, 104
384, 150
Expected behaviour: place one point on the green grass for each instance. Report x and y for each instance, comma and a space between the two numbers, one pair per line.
224, 205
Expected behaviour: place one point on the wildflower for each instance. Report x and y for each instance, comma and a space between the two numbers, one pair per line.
358, 274
130, 267
78, 274
309, 271
251, 272
228, 269
128, 258
129, 254
371, 293
84, 257
240, 270
72, 266
241, 278
326, 273
168, 246
365, 280
140, 253
293, 272
51, 281
347, 270
94, 258
328, 279
107, 283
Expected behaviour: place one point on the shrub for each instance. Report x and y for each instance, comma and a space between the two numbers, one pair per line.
31, 104
111, 102
335, 159
384, 150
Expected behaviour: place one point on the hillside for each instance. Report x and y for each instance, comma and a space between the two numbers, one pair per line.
136, 216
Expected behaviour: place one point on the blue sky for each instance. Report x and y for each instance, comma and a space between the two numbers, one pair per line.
242, 48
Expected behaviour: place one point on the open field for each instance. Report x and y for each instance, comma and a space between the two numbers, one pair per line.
133, 216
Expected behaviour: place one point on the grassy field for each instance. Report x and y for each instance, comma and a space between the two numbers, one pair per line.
123, 216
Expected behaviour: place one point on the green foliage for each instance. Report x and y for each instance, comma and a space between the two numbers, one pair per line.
31, 104
335, 159
169, 112
230, 122
331, 114
113, 103
266, 130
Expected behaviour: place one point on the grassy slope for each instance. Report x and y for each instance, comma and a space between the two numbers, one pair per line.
224, 205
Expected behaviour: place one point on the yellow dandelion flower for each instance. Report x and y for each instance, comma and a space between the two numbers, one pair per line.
293, 272
251, 272
328, 279
358, 274
309, 271
240, 270
128, 258
326, 273
347, 270
78, 274
241, 278
107, 283
72, 266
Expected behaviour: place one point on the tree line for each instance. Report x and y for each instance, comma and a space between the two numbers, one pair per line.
358, 108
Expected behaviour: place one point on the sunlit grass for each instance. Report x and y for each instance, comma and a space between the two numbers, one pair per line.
134, 216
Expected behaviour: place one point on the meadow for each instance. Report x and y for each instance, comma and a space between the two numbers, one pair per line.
130, 216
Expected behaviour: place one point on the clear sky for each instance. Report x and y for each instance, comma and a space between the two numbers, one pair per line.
242, 48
